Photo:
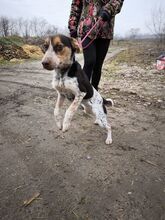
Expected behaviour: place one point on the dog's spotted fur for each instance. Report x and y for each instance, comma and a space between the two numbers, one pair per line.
69, 80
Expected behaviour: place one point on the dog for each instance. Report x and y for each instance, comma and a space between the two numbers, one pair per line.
69, 80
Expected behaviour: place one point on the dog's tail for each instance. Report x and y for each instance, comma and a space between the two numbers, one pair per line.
108, 102
104, 108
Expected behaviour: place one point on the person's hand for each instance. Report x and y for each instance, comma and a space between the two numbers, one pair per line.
105, 16
73, 33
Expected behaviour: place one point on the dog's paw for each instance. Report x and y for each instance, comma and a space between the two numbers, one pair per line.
65, 127
59, 125
108, 141
58, 120
96, 122
64, 130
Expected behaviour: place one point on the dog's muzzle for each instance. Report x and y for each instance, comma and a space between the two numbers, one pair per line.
47, 65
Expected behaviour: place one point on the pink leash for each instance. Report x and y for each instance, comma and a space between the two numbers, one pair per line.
81, 41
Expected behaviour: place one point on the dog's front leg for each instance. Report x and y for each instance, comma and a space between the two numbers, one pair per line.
71, 111
57, 113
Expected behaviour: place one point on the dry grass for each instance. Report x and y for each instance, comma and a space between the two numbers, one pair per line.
140, 53
33, 51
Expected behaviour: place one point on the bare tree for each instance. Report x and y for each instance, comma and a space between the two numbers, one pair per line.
157, 24
34, 24
42, 27
26, 26
39, 27
13, 27
133, 33
20, 26
36, 27
51, 30
4, 26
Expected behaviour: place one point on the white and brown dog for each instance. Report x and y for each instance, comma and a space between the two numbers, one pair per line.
69, 80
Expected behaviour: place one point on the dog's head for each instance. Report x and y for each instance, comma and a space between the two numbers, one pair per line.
59, 51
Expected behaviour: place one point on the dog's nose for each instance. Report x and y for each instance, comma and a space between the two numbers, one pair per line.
45, 63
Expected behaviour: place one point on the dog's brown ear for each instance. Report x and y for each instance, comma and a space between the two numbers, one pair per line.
75, 45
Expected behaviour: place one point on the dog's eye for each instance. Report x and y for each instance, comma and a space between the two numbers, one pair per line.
58, 48
44, 48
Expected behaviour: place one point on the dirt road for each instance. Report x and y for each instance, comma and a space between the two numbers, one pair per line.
76, 175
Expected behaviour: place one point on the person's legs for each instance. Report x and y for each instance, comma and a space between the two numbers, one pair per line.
102, 46
93, 60
89, 57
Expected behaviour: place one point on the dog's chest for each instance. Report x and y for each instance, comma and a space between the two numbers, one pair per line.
65, 85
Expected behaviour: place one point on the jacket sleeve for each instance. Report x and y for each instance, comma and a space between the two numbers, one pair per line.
113, 7
76, 9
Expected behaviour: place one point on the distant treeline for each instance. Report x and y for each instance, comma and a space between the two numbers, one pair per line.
35, 27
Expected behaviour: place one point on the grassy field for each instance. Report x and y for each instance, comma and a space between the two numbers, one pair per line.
12, 40
140, 52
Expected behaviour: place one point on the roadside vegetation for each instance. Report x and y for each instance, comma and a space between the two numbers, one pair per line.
20, 38
142, 53
17, 49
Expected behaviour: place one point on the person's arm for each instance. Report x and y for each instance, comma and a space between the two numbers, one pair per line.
76, 9
113, 7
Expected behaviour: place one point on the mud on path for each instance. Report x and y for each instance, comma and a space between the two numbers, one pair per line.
76, 175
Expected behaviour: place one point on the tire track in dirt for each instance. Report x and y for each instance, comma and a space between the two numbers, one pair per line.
28, 85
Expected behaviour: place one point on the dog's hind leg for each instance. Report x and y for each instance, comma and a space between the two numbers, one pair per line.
99, 111
57, 112
101, 120
109, 134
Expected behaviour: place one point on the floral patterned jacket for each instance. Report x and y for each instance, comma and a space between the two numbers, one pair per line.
85, 13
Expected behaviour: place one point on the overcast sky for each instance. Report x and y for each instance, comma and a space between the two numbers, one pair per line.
134, 14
